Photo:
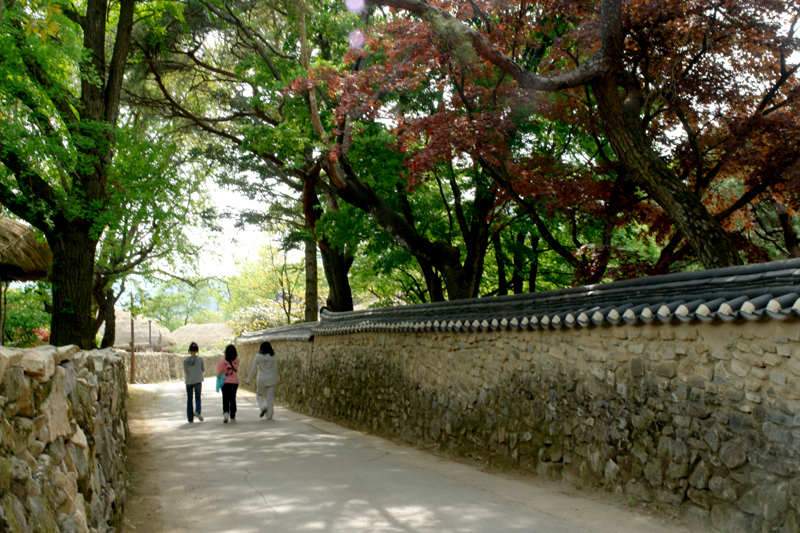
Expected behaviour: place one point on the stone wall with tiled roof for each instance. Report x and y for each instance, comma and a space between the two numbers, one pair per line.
681, 392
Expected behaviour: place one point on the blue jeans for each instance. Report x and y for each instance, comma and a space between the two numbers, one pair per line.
198, 387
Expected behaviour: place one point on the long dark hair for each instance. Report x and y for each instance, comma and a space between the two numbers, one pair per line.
230, 353
266, 347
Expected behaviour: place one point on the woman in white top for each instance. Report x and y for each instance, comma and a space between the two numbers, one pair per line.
267, 378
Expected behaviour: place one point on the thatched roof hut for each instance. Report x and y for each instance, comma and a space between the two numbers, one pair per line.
161, 338
205, 335
22, 257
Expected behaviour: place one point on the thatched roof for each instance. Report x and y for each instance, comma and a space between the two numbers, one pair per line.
22, 257
205, 335
122, 338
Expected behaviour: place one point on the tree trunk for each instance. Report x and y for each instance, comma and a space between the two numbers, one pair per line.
519, 263
441, 255
432, 281
73, 273
110, 332
708, 240
534, 270
311, 279
789, 234
336, 266
499, 256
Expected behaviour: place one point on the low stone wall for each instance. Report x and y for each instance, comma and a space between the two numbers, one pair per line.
699, 420
157, 367
63, 430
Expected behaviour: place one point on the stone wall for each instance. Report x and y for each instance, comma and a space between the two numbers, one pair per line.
157, 367
63, 430
701, 420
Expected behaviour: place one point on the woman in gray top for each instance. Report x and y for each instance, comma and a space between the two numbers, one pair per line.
193, 368
267, 378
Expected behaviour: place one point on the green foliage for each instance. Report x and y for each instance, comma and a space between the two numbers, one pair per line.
174, 303
261, 314
26, 321
267, 282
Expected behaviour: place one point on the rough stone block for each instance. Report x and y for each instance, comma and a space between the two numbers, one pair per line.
743, 346
638, 492
752, 384
777, 433
8, 357
721, 355
771, 359
778, 377
636, 349
700, 475
794, 364
781, 419
38, 365
734, 453
667, 369
14, 385
705, 372
703, 498
722, 488
755, 398
739, 368
24, 434
637, 367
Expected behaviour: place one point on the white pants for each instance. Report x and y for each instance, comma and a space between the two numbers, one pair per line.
266, 399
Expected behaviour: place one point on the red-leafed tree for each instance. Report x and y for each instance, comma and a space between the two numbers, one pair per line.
696, 100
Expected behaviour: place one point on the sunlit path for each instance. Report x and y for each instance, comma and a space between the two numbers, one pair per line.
296, 473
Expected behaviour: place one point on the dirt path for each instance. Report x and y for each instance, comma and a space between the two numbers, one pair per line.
299, 473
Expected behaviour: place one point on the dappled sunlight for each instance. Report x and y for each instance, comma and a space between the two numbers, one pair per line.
296, 473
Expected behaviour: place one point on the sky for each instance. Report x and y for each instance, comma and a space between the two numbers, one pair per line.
220, 252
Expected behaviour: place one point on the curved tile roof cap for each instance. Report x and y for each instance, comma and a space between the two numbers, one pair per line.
296, 332
749, 292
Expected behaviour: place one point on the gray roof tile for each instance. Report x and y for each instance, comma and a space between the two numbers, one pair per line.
750, 292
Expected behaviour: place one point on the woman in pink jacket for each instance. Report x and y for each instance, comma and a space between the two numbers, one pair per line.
229, 366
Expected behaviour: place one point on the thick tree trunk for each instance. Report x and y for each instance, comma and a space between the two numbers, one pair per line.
336, 266
708, 240
311, 279
432, 281
789, 234
73, 272
335, 263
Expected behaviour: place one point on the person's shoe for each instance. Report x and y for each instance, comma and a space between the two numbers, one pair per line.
225, 417
263, 412
199, 416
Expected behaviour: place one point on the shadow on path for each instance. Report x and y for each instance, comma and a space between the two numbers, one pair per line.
297, 473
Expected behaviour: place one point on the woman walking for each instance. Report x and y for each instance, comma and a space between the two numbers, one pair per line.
267, 379
229, 366
193, 368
